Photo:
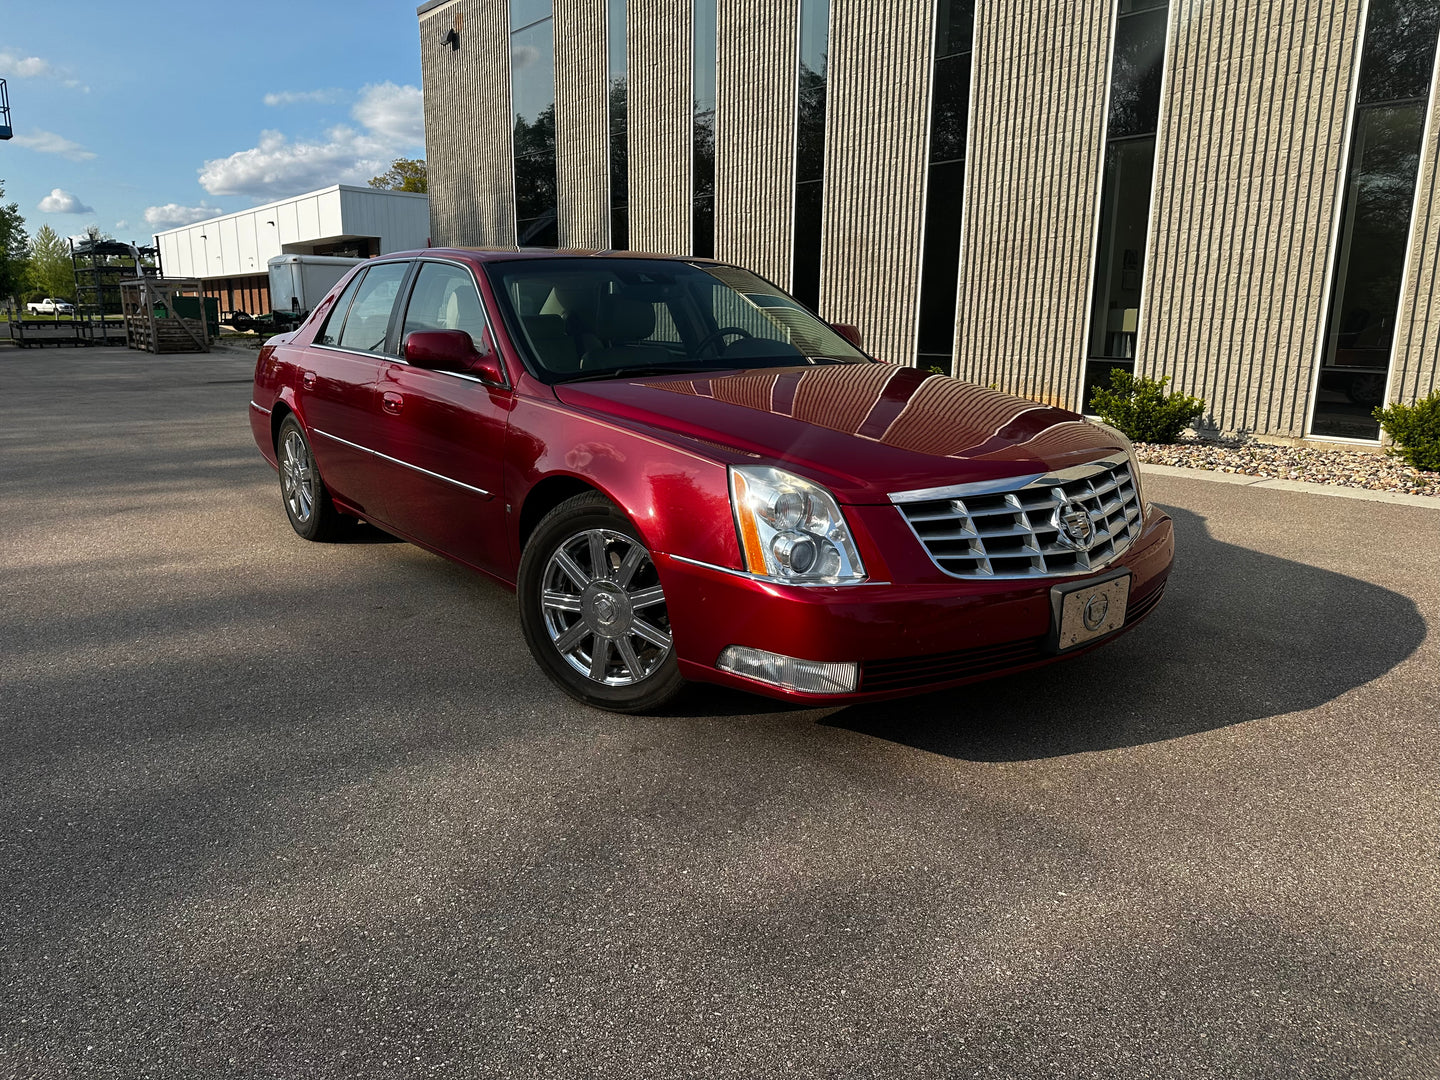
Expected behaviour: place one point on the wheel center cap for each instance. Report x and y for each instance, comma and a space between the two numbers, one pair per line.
606, 608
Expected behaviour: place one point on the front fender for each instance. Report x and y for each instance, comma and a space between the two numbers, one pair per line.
678, 500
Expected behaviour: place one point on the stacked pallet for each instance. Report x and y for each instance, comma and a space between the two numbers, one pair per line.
165, 335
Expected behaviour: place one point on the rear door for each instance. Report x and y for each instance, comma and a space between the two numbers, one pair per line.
338, 392
443, 432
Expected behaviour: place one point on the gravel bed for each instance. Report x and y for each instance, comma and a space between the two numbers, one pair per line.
1345, 468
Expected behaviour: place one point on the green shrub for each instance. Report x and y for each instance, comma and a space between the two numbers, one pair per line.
1416, 431
1142, 410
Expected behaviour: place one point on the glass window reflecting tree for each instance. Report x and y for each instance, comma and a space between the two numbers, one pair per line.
532, 96
949, 119
619, 130
1396, 66
810, 151
1133, 117
703, 164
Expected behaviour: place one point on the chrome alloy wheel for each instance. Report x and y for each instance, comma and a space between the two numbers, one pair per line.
604, 609
297, 476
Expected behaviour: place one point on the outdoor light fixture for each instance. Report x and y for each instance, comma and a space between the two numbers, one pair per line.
452, 36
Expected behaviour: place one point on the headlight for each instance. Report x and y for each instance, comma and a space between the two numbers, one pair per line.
790, 529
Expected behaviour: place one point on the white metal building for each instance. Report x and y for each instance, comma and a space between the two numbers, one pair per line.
229, 253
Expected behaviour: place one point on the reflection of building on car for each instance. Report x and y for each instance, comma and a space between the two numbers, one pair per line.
688, 476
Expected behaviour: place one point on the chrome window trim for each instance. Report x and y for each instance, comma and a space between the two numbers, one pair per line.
1008, 483
405, 464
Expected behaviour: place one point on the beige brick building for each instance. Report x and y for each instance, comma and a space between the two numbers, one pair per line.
1240, 194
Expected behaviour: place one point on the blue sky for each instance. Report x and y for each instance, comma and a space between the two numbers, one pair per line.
139, 118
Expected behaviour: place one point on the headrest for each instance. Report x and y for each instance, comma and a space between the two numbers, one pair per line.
623, 319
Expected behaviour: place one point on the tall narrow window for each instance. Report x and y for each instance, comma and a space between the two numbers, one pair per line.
532, 95
619, 130
949, 114
1395, 71
1134, 116
703, 220
810, 150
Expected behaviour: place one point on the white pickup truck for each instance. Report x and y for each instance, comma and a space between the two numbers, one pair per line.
50, 307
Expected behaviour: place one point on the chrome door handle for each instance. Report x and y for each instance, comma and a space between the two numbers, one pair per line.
392, 402
308, 380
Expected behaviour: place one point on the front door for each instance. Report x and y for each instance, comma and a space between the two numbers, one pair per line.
443, 432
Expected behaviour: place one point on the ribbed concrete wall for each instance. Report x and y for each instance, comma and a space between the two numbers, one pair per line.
661, 115
1032, 181
1416, 365
1247, 170
756, 90
582, 133
876, 123
467, 113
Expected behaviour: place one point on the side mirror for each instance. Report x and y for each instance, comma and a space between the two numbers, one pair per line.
452, 350
850, 333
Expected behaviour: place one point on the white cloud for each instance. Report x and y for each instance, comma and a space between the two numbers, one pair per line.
393, 112
173, 215
16, 66
303, 97
394, 123
62, 202
279, 167
122, 224
47, 142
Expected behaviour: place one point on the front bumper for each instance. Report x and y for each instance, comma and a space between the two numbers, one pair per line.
908, 639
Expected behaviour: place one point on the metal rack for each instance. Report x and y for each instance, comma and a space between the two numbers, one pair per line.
99, 267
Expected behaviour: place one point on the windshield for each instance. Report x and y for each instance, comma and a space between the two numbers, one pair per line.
595, 318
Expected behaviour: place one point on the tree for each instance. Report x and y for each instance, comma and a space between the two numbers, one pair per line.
13, 245
51, 271
404, 174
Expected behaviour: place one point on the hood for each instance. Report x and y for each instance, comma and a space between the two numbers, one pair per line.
862, 430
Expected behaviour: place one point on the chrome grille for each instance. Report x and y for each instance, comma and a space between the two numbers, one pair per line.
1013, 528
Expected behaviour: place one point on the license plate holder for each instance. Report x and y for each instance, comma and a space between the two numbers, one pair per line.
1089, 610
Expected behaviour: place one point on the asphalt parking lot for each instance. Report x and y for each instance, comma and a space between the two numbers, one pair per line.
277, 809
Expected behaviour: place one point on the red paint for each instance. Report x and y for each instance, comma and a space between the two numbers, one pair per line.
449, 461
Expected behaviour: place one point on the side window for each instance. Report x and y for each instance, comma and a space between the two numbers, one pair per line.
369, 318
445, 298
330, 333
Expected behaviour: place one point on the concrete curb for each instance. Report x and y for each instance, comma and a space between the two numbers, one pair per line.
1430, 502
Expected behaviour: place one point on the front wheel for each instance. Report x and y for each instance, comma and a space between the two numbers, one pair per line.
593, 611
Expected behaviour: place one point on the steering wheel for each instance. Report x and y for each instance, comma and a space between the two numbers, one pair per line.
717, 337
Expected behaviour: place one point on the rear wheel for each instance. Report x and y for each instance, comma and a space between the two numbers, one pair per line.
307, 503
593, 611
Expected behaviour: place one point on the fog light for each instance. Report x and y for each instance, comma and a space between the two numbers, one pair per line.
806, 676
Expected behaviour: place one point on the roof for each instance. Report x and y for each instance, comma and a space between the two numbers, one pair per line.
356, 188
505, 254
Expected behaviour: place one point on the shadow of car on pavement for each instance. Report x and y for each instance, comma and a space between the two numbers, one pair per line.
1240, 635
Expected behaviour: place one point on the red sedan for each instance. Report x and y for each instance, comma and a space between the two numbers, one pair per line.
688, 476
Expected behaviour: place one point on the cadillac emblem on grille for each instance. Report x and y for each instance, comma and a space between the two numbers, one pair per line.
1072, 523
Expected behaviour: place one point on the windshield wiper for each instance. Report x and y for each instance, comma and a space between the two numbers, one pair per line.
642, 369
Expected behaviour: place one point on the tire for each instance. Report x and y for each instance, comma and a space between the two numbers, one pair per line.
302, 492
600, 632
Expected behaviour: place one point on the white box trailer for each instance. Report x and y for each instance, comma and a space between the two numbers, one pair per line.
299, 282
